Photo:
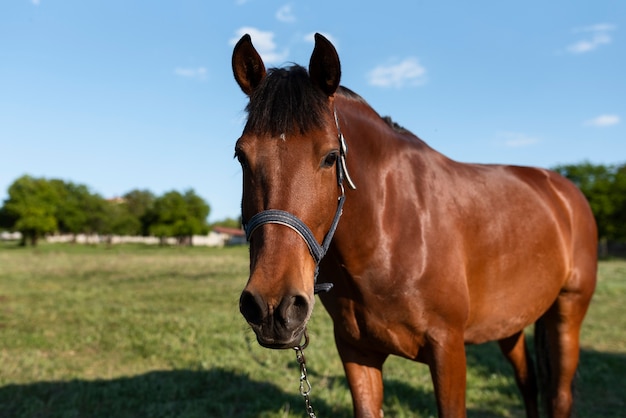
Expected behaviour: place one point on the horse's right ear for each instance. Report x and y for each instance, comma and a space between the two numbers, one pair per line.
248, 66
324, 66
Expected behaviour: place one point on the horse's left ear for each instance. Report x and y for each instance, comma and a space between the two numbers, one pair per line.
248, 67
324, 67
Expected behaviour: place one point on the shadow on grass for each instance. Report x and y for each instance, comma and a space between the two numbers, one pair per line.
214, 393
598, 387
484, 360
224, 393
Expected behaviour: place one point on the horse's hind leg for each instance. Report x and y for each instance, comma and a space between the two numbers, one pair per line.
516, 351
562, 330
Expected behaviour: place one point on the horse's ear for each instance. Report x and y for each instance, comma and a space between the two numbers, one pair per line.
248, 66
324, 67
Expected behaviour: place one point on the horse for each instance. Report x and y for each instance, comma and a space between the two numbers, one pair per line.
416, 254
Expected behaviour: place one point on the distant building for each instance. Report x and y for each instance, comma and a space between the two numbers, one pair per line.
116, 199
231, 236
218, 237
10, 236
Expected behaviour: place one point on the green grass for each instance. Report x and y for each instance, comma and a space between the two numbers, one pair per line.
137, 331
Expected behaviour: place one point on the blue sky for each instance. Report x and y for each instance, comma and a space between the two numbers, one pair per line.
123, 94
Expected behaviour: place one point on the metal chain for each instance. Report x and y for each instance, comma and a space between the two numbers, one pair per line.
305, 385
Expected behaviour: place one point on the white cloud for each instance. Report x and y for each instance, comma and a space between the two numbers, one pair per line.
285, 14
516, 139
603, 121
600, 27
587, 45
198, 73
597, 35
408, 72
263, 42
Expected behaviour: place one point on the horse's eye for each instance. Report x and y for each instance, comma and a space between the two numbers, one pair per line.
241, 158
330, 159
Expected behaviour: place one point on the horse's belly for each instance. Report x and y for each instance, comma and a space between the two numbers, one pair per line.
509, 309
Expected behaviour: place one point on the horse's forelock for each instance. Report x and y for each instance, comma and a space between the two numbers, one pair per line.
286, 102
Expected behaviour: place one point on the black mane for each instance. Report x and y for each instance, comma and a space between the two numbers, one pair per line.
395, 125
286, 102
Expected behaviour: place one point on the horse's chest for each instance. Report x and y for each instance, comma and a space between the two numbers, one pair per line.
391, 326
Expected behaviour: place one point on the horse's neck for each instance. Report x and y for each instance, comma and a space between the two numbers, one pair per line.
374, 143
390, 167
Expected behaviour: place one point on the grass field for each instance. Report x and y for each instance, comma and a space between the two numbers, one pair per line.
155, 332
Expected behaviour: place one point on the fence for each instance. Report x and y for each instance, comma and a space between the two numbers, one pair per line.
213, 239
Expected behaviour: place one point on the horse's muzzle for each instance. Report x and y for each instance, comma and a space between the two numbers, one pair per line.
279, 325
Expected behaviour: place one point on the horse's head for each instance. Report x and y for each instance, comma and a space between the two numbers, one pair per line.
291, 156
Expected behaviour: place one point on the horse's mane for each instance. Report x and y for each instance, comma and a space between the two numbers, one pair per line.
287, 102
394, 125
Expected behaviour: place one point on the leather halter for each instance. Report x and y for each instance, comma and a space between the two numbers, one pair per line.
281, 217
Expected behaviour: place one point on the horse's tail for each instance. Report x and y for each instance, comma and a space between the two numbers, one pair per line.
542, 357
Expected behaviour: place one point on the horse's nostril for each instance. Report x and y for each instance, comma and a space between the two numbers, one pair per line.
300, 302
251, 308
294, 309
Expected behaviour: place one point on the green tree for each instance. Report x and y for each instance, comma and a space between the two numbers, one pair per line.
80, 211
98, 214
6, 220
30, 208
228, 223
139, 203
72, 216
618, 219
595, 181
605, 189
179, 215
119, 219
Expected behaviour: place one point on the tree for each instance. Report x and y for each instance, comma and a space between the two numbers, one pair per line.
618, 219
595, 183
178, 215
72, 216
6, 220
79, 210
30, 208
37, 206
228, 223
139, 203
605, 189
119, 219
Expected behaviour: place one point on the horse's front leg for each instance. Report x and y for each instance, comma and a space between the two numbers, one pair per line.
446, 360
365, 378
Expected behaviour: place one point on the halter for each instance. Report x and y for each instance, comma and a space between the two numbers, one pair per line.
281, 217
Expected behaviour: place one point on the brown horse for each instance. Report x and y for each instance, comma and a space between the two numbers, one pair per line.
429, 255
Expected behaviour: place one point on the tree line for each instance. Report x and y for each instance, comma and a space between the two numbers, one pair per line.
38, 206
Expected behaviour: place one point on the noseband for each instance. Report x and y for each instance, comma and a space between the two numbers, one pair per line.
281, 217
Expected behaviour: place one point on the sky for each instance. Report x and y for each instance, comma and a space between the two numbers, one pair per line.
121, 94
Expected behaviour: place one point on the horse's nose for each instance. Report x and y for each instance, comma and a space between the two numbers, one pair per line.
274, 321
293, 310
252, 307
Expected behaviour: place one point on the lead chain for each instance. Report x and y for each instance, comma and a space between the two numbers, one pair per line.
305, 385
